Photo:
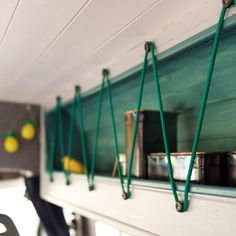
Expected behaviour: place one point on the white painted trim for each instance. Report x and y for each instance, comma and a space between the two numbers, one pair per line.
150, 211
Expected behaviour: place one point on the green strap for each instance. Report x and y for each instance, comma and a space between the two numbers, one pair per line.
82, 133
72, 127
163, 124
76, 104
93, 161
61, 140
203, 105
151, 47
126, 194
148, 47
141, 85
53, 143
71, 139
47, 142
115, 135
91, 176
60, 128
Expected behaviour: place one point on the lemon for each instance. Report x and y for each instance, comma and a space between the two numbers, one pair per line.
28, 131
11, 144
73, 165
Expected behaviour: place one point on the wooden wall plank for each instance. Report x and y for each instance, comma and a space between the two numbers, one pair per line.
182, 80
218, 131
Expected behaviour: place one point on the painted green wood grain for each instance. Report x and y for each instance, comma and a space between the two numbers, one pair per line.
218, 130
182, 79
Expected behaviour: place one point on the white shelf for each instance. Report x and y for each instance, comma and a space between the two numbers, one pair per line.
151, 209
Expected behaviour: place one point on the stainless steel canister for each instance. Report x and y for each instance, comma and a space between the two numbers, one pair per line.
149, 137
232, 169
209, 168
123, 163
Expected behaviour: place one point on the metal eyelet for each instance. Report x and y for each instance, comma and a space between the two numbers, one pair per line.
179, 206
228, 3
91, 187
147, 46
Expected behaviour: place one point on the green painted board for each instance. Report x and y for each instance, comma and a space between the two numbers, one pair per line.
218, 130
182, 72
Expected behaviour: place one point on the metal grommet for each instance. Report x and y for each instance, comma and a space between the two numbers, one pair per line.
147, 46
124, 195
77, 88
179, 206
105, 72
228, 3
58, 99
91, 187
68, 182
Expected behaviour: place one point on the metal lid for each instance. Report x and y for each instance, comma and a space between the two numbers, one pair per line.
178, 153
133, 111
219, 154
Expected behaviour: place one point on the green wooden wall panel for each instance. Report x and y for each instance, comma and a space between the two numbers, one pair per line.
182, 79
218, 130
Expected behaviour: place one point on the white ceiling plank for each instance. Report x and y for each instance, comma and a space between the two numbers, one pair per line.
7, 10
36, 25
105, 34
160, 24
100, 22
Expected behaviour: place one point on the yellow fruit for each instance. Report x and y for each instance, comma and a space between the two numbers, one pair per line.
73, 165
11, 144
28, 131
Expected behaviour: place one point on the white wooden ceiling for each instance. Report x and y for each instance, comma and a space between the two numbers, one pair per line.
48, 46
